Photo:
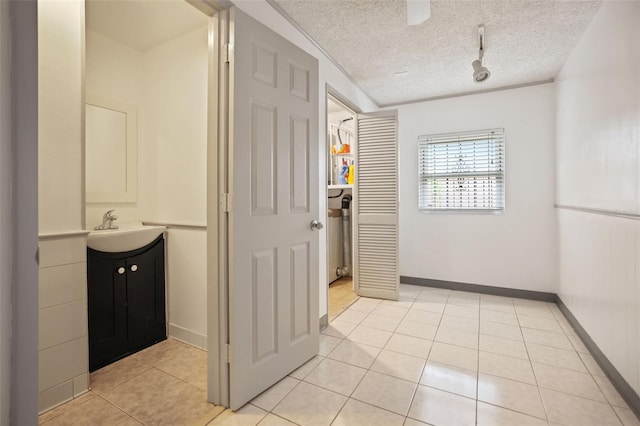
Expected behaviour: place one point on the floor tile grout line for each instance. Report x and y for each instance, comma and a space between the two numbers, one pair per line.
415, 391
115, 406
606, 401
478, 366
371, 365
535, 378
283, 398
580, 357
514, 411
65, 406
272, 413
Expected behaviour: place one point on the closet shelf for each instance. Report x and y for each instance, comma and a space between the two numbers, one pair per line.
340, 186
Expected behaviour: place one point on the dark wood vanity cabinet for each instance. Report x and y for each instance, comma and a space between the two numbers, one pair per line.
126, 298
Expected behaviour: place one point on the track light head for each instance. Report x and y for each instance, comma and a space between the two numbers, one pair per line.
480, 72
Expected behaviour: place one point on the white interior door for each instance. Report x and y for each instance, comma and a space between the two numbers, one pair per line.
274, 257
376, 272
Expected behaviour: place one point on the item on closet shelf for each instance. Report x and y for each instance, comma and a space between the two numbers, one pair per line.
352, 173
343, 148
334, 173
344, 173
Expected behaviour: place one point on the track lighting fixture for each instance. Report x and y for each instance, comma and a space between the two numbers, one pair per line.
480, 72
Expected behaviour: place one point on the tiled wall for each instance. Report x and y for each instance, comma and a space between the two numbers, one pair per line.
63, 342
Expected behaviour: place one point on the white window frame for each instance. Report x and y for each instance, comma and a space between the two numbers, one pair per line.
492, 171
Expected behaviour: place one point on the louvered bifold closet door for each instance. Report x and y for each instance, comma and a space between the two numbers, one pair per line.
376, 207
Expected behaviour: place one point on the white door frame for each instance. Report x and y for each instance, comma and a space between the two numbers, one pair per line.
19, 284
217, 219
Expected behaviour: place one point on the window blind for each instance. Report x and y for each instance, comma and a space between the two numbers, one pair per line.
461, 171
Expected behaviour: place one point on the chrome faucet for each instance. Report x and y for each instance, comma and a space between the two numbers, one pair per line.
107, 221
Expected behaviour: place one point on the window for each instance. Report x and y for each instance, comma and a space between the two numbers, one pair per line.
461, 171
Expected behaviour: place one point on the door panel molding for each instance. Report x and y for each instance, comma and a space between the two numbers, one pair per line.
272, 177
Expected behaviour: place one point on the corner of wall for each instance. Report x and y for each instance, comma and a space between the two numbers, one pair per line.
6, 228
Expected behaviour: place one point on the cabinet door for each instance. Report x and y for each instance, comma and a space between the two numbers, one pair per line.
107, 317
146, 298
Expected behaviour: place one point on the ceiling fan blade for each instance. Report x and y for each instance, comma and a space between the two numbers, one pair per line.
418, 11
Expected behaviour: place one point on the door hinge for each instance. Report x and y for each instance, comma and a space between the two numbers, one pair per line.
228, 52
227, 353
226, 201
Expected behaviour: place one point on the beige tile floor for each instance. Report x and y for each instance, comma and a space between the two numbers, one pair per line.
162, 385
435, 357
441, 357
341, 296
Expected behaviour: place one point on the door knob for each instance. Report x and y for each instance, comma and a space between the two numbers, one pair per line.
316, 225
121, 270
134, 268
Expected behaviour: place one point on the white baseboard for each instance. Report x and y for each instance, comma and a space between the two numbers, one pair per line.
188, 336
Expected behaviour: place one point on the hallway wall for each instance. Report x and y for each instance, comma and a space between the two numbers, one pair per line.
598, 166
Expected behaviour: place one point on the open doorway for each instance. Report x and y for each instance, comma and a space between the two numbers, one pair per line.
341, 169
157, 61
146, 80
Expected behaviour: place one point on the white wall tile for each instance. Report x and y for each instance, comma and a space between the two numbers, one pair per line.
55, 396
62, 323
80, 384
63, 284
62, 251
63, 362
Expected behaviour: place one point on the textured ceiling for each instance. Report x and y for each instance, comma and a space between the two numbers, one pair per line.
142, 25
525, 42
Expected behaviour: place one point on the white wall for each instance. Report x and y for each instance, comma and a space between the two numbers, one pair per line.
6, 234
60, 55
174, 135
598, 152
187, 285
516, 249
63, 349
174, 128
328, 74
115, 72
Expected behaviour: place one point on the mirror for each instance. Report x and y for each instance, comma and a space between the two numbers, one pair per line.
111, 151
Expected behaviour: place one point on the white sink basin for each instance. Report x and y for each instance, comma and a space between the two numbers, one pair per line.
129, 236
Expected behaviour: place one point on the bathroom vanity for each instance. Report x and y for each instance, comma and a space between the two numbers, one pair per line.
126, 293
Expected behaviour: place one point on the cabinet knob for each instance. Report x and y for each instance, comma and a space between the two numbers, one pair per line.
121, 270
134, 268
